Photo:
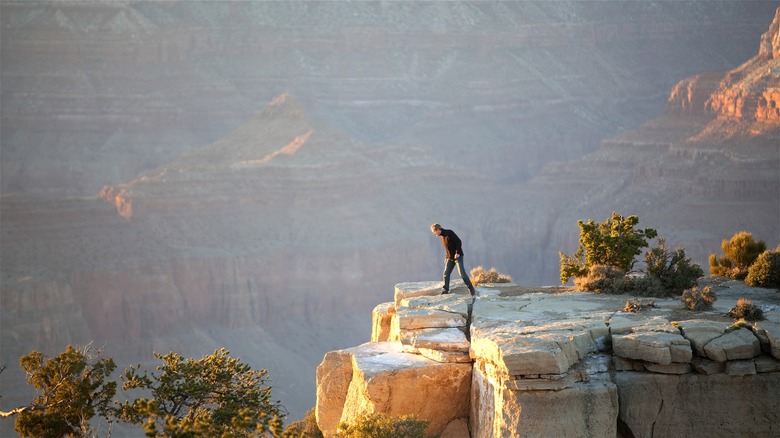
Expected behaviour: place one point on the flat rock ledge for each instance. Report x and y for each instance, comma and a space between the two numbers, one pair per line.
550, 362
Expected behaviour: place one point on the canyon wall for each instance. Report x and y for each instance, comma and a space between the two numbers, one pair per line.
96, 92
256, 175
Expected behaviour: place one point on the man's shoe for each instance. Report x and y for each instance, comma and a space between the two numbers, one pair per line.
444, 292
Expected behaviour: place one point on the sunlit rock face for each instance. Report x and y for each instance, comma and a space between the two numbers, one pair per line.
556, 362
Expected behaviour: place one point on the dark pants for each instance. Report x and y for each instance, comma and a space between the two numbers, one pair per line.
449, 265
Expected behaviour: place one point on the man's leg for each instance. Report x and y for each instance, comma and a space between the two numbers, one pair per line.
449, 265
463, 275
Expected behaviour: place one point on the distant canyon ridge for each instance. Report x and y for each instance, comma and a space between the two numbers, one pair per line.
258, 175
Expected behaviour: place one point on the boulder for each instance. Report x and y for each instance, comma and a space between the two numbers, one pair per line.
397, 383
699, 332
734, 345
626, 322
412, 319
416, 289
379, 377
334, 376
381, 318
657, 347
518, 353
451, 303
768, 333
444, 339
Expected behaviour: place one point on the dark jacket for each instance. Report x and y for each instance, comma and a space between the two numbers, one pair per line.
451, 243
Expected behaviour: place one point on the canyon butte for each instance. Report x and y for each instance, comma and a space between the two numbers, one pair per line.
258, 175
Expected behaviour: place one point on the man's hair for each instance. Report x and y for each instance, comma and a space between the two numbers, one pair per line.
435, 226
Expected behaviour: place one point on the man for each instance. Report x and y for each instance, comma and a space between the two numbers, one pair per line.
452, 245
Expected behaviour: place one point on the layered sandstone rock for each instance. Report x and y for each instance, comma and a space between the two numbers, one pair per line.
571, 364
381, 378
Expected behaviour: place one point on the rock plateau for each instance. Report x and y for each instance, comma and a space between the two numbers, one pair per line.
554, 362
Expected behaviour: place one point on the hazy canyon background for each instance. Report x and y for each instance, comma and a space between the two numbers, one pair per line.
181, 175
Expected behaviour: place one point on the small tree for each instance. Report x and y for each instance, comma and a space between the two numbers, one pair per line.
214, 396
672, 268
765, 271
613, 242
73, 389
739, 253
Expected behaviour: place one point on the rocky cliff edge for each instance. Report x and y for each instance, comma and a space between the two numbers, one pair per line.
555, 362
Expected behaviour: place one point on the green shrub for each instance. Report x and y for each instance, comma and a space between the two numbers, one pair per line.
613, 242
699, 299
739, 253
480, 276
306, 428
604, 279
382, 426
745, 309
214, 396
673, 269
765, 271
648, 286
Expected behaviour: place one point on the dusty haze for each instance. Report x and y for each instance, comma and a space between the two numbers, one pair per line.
258, 175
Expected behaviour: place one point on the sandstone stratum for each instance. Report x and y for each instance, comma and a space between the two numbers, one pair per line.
544, 362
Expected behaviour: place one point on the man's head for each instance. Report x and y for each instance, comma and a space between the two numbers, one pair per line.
436, 229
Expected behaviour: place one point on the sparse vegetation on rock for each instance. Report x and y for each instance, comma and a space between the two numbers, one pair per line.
604, 279
674, 271
479, 275
635, 306
614, 242
739, 253
307, 427
745, 309
382, 426
765, 271
606, 254
699, 298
